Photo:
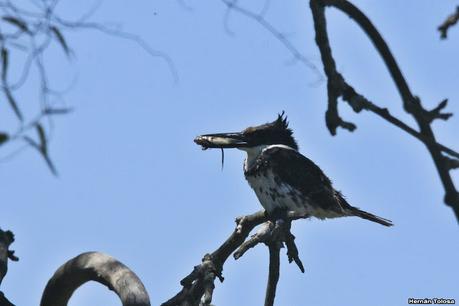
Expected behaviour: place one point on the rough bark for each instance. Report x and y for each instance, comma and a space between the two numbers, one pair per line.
199, 284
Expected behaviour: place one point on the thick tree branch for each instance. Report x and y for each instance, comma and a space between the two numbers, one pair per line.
339, 88
94, 266
198, 285
449, 22
4, 301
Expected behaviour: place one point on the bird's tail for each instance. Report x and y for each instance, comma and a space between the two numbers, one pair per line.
366, 215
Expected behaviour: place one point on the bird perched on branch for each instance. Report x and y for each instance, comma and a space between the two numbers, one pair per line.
282, 178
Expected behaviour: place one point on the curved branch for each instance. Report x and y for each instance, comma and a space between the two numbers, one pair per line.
338, 87
448, 23
380, 44
99, 267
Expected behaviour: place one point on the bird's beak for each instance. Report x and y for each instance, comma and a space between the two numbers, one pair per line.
222, 140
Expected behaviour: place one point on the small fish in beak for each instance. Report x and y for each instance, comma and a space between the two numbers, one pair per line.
221, 141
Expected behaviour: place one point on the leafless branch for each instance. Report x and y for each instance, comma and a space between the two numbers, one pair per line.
28, 34
4, 301
273, 276
81, 25
451, 163
232, 5
339, 88
449, 22
292, 250
199, 284
269, 232
262, 235
94, 266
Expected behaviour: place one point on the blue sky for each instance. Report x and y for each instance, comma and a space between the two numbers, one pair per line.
134, 185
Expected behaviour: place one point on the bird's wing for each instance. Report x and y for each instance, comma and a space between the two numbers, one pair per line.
304, 175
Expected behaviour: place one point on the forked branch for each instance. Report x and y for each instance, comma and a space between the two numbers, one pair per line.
199, 284
339, 88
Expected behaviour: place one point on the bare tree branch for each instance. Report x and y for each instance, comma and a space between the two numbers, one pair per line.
292, 250
28, 34
451, 163
260, 19
94, 266
197, 288
79, 25
273, 276
338, 87
4, 301
449, 22
262, 235
269, 232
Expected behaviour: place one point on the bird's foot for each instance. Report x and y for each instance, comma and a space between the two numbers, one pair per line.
278, 216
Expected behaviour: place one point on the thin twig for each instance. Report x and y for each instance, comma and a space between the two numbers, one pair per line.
260, 19
78, 25
448, 23
29, 34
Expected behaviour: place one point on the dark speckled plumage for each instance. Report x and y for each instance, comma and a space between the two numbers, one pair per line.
292, 168
310, 190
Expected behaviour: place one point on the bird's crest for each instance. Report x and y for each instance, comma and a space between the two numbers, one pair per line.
281, 121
